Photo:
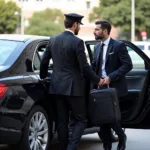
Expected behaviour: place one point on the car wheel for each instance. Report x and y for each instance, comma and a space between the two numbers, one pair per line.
37, 131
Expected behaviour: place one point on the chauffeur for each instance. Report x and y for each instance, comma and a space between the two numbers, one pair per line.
69, 68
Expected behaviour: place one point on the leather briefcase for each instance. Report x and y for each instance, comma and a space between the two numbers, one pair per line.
103, 106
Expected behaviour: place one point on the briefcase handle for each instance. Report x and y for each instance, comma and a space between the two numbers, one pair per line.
102, 87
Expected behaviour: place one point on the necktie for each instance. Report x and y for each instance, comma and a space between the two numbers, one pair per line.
100, 61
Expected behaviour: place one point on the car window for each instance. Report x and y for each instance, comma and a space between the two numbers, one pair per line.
148, 47
92, 48
137, 61
6, 49
38, 57
87, 54
90, 54
36, 62
41, 52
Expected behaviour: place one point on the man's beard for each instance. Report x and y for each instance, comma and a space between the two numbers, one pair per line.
76, 31
98, 37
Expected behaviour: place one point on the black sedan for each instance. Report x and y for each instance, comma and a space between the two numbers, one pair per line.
27, 112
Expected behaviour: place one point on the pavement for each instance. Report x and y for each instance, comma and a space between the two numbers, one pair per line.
137, 140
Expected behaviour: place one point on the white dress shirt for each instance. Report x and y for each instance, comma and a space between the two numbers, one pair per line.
106, 42
69, 31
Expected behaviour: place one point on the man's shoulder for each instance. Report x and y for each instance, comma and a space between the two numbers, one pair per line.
67, 37
116, 42
77, 39
56, 36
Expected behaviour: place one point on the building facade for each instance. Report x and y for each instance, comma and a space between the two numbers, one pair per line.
83, 7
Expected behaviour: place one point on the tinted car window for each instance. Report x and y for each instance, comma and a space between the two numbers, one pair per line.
36, 62
41, 51
148, 47
6, 49
92, 47
38, 57
137, 61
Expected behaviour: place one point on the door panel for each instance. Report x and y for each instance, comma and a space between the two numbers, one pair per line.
137, 80
132, 105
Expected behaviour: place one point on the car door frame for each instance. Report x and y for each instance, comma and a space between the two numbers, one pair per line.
45, 84
145, 112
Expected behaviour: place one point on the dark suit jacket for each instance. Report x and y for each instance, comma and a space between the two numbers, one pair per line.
118, 63
69, 65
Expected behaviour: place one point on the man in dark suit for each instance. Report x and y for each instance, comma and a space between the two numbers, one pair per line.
111, 62
67, 80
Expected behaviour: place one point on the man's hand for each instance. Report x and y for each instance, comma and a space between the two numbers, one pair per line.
101, 82
106, 80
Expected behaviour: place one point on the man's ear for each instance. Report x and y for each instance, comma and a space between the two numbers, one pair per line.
75, 24
105, 31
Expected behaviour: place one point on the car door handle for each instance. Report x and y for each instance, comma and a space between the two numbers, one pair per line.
33, 85
45, 80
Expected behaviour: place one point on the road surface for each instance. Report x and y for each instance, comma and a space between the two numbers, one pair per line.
137, 140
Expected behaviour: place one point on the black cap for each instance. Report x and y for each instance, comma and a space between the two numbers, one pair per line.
74, 17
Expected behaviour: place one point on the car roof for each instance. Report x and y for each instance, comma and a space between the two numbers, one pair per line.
21, 38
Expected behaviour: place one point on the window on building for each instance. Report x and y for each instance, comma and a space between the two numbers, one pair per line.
88, 5
23, 0
28, 0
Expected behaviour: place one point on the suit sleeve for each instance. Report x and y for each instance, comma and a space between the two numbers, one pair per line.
84, 66
126, 64
93, 64
45, 61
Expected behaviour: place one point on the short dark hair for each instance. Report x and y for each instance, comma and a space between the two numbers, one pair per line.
68, 23
104, 24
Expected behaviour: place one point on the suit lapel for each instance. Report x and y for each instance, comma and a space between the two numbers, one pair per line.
110, 46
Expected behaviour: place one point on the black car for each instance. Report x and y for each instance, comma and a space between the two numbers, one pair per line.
27, 112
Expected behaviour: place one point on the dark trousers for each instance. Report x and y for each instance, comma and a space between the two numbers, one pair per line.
77, 106
105, 133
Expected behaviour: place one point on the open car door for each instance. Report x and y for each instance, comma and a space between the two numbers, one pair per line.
135, 107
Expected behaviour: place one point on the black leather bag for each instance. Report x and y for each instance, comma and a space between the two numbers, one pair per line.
103, 106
